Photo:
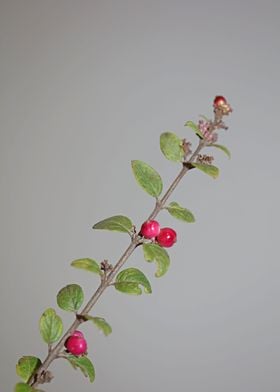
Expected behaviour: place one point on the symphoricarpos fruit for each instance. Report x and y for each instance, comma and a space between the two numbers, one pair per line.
150, 229
167, 237
76, 344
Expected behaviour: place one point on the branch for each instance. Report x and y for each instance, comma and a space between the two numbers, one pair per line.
136, 240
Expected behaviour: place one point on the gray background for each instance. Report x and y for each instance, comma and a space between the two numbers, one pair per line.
86, 86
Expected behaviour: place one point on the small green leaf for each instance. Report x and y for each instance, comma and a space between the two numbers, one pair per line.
21, 387
26, 366
87, 264
180, 213
211, 170
204, 118
115, 223
51, 326
84, 364
70, 298
154, 252
171, 146
195, 128
129, 281
147, 177
223, 148
100, 323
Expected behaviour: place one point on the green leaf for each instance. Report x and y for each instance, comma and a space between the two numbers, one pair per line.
171, 146
87, 264
211, 170
204, 118
84, 364
223, 148
147, 177
70, 297
26, 366
195, 128
21, 387
129, 281
115, 223
180, 213
100, 323
154, 252
51, 326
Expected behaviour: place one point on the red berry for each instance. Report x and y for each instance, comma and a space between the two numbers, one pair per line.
76, 345
78, 333
150, 229
167, 237
219, 101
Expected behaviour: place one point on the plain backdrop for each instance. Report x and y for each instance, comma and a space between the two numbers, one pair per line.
87, 86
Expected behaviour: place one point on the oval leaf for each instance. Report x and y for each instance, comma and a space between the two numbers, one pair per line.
180, 213
87, 264
204, 118
84, 364
51, 326
195, 128
26, 366
129, 281
171, 146
100, 323
70, 297
147, 177
222, 148
115, 223
154, 252
211, 170
21, 387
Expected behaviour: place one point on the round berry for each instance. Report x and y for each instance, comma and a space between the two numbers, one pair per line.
167, 237
219, 101
76, 345
150, 229
78, 333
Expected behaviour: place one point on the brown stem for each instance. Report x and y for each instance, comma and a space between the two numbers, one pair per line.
55, 352
186, 167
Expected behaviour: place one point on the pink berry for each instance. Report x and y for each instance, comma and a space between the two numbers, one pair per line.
167, 237
219, 101
78, 333
150, 229
76, 345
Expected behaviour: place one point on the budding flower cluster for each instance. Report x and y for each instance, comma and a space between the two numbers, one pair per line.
205, 159
204, 127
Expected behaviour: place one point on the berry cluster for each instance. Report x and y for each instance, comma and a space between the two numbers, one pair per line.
165, 237
76, 344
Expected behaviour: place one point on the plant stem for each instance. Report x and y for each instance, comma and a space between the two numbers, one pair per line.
54, 353
186, 167
136, 240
